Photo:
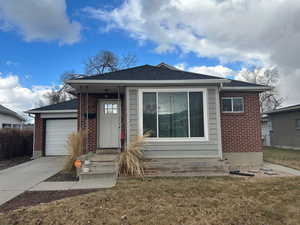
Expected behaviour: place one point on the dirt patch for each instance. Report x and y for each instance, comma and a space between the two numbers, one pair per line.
160, 201
4, 164
63, 176
36, 197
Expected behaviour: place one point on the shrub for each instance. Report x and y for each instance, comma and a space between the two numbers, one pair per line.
75, 145
131, 159
15, 143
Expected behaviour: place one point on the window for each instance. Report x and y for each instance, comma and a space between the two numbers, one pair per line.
110, 108
16, 126
170, 114
298, 124
6, 125
233, 104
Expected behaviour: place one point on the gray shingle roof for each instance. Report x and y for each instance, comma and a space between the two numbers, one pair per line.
160, 72
67, 105
291, 108
6, 111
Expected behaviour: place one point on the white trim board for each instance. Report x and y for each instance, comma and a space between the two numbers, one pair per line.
52, 111
183, 81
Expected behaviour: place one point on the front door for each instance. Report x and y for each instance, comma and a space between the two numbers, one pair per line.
109, 127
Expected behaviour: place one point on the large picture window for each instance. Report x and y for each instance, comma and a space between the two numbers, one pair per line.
170, 114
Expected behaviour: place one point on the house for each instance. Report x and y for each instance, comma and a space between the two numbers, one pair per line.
10, 119
187, 115
266, 128
284, 123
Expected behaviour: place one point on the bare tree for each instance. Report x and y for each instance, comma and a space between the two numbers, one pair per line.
56, 95
107, 61
269, 100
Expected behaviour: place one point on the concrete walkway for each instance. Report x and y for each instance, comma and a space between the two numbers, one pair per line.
283, 169
15, 180
75, 185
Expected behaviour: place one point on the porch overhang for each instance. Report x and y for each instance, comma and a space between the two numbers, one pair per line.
113, 86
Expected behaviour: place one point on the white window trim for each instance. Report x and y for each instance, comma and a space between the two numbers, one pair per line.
183, 139
231, 98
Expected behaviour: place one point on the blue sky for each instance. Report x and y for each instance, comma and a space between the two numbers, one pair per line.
41, 63
41, 40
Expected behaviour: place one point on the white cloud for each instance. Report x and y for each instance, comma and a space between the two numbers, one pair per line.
18, 98
219, 70
42, 20
260, 32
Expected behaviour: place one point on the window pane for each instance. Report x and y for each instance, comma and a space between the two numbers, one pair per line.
298, 123
238, 104
18, 126
172, 114
226, 105
196, 114
6, 125
149, 114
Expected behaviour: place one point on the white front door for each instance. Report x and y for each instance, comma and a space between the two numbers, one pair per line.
109, 124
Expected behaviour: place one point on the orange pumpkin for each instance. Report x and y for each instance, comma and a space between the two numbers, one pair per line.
77, 163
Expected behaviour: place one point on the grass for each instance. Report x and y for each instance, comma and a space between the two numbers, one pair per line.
285, 157
201, 201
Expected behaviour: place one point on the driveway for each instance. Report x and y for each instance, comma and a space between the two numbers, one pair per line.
15, 180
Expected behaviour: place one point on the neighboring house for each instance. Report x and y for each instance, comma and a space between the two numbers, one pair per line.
188, 115
10, 119
266, 128
285, 127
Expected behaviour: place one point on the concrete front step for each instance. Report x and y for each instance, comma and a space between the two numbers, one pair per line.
185, 167
97, 175
108, 151
103, 158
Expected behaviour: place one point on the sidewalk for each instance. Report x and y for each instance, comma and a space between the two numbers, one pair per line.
17, 179
280, 168
74, 185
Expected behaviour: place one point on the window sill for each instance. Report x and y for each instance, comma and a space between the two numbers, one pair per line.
204, 139
234, 113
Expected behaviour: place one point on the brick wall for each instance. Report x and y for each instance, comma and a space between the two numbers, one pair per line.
91, 123
39, 137
241, 132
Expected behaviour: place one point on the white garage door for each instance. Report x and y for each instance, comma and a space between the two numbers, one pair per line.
57, 132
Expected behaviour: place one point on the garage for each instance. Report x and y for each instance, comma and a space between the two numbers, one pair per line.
57, 132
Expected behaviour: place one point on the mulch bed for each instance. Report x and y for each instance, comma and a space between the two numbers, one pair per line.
63, 176
6, 163
36, 197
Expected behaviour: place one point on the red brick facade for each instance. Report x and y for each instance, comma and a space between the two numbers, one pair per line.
39, 136
241, 132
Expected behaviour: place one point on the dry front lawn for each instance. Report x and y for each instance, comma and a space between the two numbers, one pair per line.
285, 157
193, 201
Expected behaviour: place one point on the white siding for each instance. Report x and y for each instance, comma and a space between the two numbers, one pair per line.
8, 119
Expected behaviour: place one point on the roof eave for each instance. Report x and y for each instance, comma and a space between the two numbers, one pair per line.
122, 82
260, 89
51, 111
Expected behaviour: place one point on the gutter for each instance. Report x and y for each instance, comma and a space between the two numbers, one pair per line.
51, 111
263, 88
